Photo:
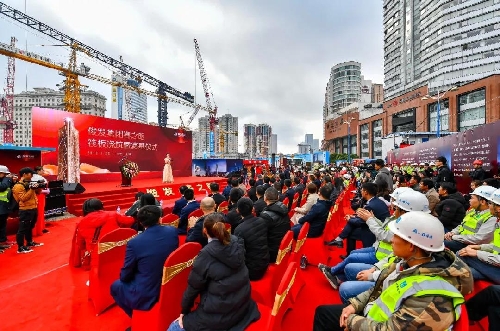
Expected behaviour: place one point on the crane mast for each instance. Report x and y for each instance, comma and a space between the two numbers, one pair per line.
7, 104
209, 97
162, 88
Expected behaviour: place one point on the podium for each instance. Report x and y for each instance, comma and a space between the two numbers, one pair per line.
126, 182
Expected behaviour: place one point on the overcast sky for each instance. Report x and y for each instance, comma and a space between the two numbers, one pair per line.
268, 61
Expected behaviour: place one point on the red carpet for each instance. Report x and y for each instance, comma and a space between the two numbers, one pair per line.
41, 292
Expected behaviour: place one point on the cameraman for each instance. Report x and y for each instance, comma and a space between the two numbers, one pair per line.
6, 182
24, 193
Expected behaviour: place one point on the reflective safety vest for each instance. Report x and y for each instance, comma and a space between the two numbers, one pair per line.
472, 222
390, 261
392, 297
496, 241
383, 248
4, 196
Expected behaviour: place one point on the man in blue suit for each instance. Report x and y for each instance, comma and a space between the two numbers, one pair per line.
356, 228
191, 206
181, 203
317, 216
141, 274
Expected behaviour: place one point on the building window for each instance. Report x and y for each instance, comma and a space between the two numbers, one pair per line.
377, 138
444, 115
472, 110
365, 140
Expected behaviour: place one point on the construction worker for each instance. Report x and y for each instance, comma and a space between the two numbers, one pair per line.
422, 289
484, 259
478, 224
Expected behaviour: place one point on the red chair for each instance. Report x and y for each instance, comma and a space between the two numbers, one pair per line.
271, 318
263, 289
196, 213
175, 274
463, 322
285, 201
223, 207
170, 220
297, 253
294, 204
105, 266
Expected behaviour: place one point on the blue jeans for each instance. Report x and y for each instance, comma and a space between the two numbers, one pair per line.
481, 270
175, 326
363, 255
454, 245
352, 287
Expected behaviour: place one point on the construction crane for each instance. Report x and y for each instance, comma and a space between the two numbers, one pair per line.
162, 88
7, 102
222, 139
209, 97
83, 71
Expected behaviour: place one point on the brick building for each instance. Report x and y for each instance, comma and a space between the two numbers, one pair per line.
468, 106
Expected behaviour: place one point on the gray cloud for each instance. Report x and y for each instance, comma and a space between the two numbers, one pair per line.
268, 61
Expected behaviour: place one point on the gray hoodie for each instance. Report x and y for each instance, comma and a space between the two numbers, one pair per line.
384, 175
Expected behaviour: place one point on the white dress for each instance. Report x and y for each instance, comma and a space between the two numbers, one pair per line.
168, 177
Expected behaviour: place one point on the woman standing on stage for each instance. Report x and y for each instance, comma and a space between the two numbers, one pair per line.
168, 177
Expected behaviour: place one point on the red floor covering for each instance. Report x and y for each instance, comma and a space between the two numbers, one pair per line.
41, 292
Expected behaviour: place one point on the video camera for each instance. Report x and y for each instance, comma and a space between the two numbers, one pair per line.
38, 184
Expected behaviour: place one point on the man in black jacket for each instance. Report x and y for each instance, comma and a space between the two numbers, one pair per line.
451, 209
195, 232
444, 174
253, 231
299, 188
260, 204
251, 191
278, 222
6, 201
478, 173
317, 216
218, 198
289, 193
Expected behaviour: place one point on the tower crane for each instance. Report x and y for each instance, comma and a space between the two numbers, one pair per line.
162, 88
7, 103
209, 97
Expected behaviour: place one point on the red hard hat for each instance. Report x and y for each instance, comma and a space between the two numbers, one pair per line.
479, 162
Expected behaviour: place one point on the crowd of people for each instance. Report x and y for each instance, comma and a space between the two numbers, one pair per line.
424, 244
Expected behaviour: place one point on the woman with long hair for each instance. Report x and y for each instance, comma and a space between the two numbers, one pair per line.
220, 277
96, 222
168, 176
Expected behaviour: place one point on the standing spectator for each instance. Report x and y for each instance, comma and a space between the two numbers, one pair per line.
24, 192
444, 174
6, 183
140, 277
478, 173
383, 175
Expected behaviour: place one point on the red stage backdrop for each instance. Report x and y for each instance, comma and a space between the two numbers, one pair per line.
103, 142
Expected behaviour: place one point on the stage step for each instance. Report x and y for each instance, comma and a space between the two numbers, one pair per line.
111, 200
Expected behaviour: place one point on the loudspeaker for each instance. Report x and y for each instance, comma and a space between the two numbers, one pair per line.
55, 184
73, 188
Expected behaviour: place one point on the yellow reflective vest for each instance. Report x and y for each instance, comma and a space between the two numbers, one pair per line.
391, 299
4, 196
472, 222
383, 248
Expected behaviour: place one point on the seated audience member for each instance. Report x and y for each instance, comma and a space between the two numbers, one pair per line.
191, 206
278, 222
251, 193
253, 231
451, 209
484, 259
298, 188
312, 198
227, 189
132, 211
220, 278
218, 198
147, 199
140, 278
242, 186
180, 203
422, 263
195, 232
232, 216
317, 215
356, 227
260, 180
485, 303
492, 182
427, 188
478, 224
338, 187
96, 222
289, 192
260, 204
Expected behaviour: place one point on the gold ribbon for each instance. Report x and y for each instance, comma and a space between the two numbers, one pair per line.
335, 208
106, 246
174, 270
280, 298
175, 223
283, 252
299, 244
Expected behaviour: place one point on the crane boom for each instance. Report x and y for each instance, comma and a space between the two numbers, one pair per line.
163, 88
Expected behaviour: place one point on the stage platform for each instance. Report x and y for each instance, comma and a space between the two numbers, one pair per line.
113, 195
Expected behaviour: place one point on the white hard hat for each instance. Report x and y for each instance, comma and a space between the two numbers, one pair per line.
484, 191
432, 163
422, 163
398, 191
421, 229
414, 164
413, 201
495, 197
4, 169
347, 176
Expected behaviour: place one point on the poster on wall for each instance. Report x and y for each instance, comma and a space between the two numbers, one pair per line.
215, 167
88, 144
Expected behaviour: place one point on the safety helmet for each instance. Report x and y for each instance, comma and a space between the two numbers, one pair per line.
478, 162
494, 197
4, 169
413, 201
421, 164
347, 176
395, 194
421, 229
432, 164
414, 164
484, 191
